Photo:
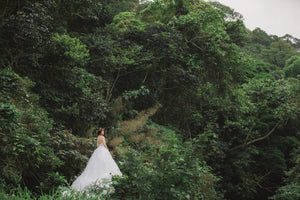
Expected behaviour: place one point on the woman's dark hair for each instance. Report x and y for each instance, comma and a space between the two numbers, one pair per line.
99, 131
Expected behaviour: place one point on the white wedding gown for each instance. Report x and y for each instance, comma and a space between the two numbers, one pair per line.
101, 165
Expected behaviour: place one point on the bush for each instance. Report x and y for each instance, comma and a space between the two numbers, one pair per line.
26, 155
165, 169
288, 192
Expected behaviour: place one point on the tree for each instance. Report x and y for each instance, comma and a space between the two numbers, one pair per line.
81, 16
25, 35
279, 52
231, 14
261, 37
292, 67
260, 132
27, 157
295, 42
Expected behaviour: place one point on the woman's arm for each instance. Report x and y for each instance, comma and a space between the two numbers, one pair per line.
98, 141
104, 143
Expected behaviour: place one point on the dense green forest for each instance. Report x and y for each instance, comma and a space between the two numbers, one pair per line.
195, 105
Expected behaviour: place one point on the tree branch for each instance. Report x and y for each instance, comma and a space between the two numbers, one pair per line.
189, 41
82, 17
145, 76
109, 94
261, 178
257, 139
249, 134
4, 11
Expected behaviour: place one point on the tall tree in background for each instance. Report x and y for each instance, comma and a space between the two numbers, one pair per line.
278, 53
228, 97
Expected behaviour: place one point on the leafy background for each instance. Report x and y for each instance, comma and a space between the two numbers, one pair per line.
195, 105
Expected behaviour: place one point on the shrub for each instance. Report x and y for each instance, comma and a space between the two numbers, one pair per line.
167, 169
26, 156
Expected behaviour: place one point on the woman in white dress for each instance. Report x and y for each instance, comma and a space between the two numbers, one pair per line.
100, 166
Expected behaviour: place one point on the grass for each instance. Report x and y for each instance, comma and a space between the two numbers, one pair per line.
62, 193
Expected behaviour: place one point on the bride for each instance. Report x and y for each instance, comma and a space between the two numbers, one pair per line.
100, 166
